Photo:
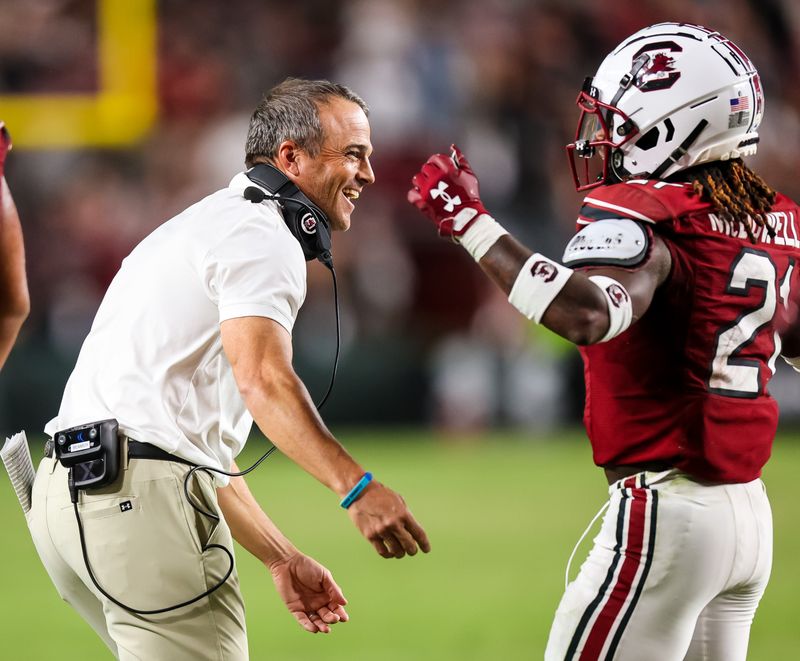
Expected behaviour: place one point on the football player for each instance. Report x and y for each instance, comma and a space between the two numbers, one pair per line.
680, 287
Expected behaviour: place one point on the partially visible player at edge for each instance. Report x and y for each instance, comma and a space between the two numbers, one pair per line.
14, 300
680, 286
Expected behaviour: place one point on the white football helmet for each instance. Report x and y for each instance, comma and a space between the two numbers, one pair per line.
671, 96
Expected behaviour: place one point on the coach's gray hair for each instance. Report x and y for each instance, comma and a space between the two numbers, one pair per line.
290, 111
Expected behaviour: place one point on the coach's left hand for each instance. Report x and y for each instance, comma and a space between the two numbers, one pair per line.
309, 592
384, 519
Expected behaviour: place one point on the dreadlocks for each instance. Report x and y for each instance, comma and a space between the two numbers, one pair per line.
739, 195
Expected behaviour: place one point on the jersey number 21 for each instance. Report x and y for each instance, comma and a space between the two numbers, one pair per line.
731, 374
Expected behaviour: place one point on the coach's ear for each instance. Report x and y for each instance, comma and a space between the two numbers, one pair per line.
288, 158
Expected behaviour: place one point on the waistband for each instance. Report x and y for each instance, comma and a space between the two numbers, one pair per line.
136, 450
615, 473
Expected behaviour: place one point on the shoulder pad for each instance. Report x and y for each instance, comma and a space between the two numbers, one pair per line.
612, 242
641, 200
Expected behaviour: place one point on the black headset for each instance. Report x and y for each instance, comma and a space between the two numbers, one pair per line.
305, 220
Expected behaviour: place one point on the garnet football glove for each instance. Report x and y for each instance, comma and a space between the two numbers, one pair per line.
446, 190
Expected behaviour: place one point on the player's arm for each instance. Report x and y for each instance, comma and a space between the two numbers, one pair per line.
304, 585
14, 300
260, 352
580, 310
583, 304
790, 337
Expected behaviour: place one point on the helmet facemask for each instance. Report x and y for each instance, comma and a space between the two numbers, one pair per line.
594, 142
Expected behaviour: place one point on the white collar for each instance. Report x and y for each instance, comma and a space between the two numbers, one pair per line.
242, 181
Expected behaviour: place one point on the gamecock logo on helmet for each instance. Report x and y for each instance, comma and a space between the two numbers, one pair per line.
659, 72
544, 270
617, 295
309, 224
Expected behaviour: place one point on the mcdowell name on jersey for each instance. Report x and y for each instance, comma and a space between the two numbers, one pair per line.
782, 223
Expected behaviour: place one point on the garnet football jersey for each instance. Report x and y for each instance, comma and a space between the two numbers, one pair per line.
687, 383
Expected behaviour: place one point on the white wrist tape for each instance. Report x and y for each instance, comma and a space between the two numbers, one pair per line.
794, 362
537, 284
620, 310
481, 235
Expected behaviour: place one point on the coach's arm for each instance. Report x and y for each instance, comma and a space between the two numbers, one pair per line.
260, 352
306, 587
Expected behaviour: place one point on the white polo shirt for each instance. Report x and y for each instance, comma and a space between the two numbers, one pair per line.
153, 358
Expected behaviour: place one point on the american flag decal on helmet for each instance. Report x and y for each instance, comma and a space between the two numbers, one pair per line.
740, 103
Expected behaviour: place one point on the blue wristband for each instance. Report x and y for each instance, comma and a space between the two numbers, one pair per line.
355, 492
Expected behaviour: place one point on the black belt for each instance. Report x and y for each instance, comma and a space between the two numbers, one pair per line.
136, 450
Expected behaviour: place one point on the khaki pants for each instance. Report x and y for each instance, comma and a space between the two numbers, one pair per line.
144, 543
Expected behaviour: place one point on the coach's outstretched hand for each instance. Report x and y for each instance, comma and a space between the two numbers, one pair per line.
384, 519
446, 190
309, 592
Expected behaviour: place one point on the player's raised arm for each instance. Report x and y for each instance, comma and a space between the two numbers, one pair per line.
584, 306
14, 300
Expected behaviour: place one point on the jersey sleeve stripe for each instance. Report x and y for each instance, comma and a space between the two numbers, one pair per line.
590, 202
589, 215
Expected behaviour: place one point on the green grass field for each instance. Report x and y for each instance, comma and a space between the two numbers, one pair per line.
503, 513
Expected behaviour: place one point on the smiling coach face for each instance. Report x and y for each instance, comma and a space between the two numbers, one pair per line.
335, 176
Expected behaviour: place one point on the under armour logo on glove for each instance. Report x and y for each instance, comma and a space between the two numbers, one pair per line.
450, 202
448, 180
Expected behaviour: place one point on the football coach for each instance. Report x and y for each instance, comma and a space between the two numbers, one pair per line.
190, 345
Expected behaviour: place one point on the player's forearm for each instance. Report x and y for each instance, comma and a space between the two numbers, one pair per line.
14, 298
250, 525
577, 313
9, 329
283, 410
503, 261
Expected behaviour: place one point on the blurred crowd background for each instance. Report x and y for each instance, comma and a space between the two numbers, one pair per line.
425, 339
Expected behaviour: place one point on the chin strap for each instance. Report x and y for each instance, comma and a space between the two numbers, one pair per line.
680, 152
627, 80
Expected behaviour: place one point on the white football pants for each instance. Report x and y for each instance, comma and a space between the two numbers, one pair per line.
675, 573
